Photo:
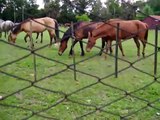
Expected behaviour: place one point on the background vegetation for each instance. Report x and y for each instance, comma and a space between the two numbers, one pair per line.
18, 10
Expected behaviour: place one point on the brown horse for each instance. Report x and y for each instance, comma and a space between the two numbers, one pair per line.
81, 30
36, 26
128, 29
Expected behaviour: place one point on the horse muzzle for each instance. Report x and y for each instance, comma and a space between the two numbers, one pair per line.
59, 53
88, 49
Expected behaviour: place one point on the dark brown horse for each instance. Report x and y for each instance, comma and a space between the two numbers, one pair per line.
128, 29
36, 26
81, 30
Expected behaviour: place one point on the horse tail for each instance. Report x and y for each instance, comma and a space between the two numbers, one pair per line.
56, 28
146, 33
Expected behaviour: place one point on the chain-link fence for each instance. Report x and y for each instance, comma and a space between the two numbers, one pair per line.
46, 88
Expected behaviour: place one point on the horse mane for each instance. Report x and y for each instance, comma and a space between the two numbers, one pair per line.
108, 22
68, 33
17, 27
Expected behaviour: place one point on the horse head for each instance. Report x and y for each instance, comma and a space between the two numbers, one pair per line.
91, 42
12, 37
62, 47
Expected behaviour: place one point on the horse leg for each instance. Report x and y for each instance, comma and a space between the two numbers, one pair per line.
31, 41
120, 47
25, 38
82, 50
41, 37
5, 34
71, 50
37, 37
107, 46
51, 37
144, 46
110, 48
138, 46
103, 44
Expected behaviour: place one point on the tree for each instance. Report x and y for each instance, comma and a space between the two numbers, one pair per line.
67, 13
155, 5
2, 5
82, 6
147, 10
96, 10
53, 9
114, 8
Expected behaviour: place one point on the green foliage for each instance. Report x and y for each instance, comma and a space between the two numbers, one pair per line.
83, 17
64, 12
82, 5
53, 9
147, 10
155, 5
12, 9
97, 10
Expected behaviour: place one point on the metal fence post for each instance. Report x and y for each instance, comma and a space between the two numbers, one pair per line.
116, 51
14, 12
155, 51
32, 50
74, 59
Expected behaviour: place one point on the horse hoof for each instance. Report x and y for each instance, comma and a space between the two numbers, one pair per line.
60, 54
82, 54
70, 55
100, 54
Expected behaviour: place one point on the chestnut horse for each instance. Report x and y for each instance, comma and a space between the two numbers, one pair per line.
128, 29
81, 30
36, 26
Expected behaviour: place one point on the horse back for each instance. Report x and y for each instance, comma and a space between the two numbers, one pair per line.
49, 21
35, 25
132, 28
81, 31
127, 29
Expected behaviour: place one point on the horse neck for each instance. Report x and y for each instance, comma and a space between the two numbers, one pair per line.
103, 30
17, 29
65, 40
98, 33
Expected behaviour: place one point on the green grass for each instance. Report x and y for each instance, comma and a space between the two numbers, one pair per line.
84, 94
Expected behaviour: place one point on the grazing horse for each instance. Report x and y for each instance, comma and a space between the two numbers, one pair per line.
81, 30
36, 26
5, 26
128, 29
26, 36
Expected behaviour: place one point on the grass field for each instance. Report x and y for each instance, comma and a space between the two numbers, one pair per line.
45, 98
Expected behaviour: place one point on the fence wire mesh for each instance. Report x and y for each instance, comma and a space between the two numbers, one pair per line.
35, 98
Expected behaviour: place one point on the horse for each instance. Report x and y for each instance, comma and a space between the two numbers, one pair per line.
5, 26
26, 36
81, 30
128, 29
37, 25
0, 27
